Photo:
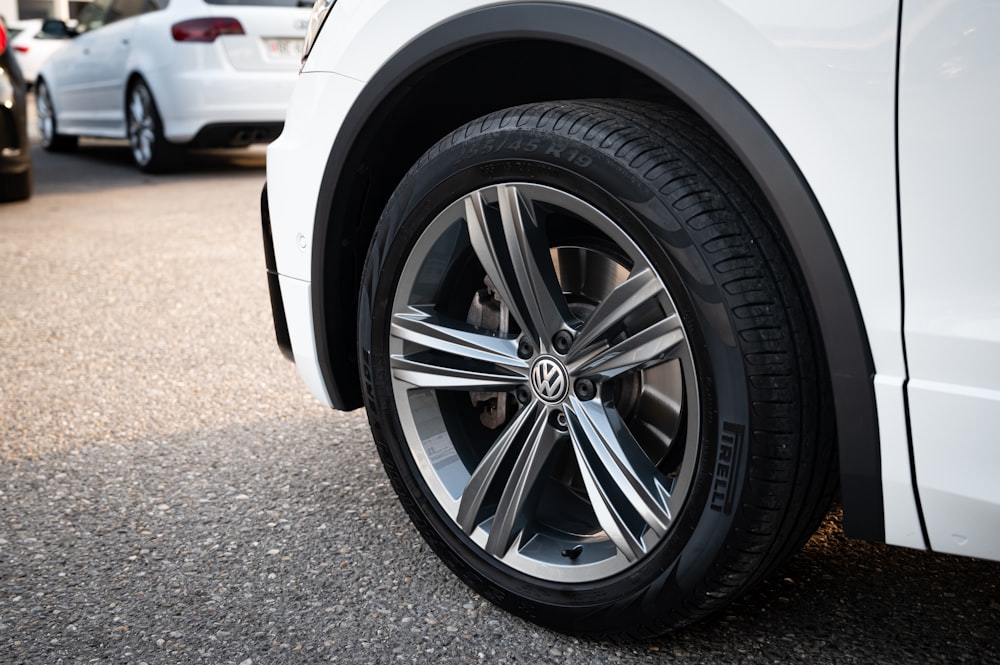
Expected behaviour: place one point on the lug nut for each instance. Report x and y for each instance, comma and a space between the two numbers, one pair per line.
585, 389
561, 342
524, 349
558, 420
523, 395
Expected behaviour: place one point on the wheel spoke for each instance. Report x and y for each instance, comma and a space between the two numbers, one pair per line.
434, 375
624, 487
453, 355
137, 110
514, 251
426, 328
523, 487
627, 298
485, 478
652, 345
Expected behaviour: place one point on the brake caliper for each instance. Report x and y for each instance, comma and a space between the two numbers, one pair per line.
489, 312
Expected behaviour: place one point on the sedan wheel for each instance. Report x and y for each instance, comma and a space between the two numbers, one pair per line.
151, 152
52, 140
588, 372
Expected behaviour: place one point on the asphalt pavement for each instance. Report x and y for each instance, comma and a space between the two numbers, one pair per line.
169, 492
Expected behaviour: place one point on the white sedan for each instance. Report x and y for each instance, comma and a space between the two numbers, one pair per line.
33, 46
632, 290
188, 73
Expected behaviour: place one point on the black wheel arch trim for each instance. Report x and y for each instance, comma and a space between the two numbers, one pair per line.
802, 220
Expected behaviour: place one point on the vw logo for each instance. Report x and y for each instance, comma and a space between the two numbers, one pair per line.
549, 379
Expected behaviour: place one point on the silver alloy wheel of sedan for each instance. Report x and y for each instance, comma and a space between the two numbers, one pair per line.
46, 114
141, 124
151, 151
48, 126
592, 443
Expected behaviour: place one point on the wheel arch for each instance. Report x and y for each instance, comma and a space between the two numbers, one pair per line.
133, 77
41, 80
412, 101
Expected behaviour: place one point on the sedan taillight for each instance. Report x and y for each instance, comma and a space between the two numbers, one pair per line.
205, 29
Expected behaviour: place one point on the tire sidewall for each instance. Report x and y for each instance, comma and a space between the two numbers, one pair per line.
666, 578
48, 141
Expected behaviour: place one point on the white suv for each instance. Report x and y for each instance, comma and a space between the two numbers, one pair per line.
632, 291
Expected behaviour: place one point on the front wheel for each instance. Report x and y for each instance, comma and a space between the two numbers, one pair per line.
48, 127
588, 370
151, 151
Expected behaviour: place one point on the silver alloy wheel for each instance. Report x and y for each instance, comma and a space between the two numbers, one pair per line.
141, 124
588, 464
46, 115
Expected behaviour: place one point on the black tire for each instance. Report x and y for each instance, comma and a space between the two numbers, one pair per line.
48, 126
151, 151
15, 186
627, 516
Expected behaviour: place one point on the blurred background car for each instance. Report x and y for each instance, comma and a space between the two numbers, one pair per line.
33, 45
15, 156
191, 73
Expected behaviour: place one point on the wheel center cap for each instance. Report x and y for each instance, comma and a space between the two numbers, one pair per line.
549, 379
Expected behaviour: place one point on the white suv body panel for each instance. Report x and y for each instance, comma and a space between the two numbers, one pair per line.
949, 103
822, 77
302, 151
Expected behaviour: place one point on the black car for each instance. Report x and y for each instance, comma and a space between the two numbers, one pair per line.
15, 153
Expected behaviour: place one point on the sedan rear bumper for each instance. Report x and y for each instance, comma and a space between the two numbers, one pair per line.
194, 104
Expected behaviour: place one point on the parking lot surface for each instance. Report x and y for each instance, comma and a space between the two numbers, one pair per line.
170, 494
